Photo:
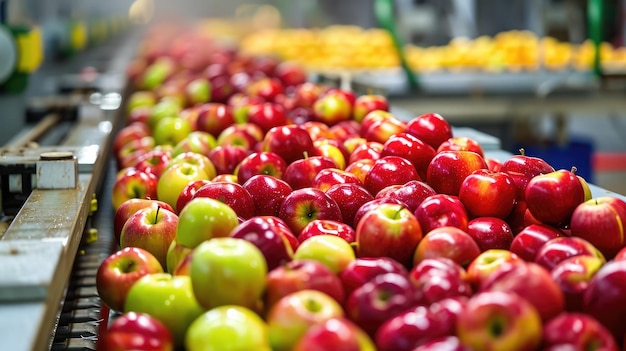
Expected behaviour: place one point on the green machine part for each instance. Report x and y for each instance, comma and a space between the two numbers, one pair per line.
22, 47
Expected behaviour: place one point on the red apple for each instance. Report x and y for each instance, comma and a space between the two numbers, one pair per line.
553, 197
154, 161
266, 88
431, 128
267, 115
363, 269
488, 194
245, 135
389, 170
561, 248
523, 168
334, 334
448, 242
327, 227
573, 276
136, 331
411, 193
529, 240
383, 130
226, 158
439, 278
605, 297
131, 183
188, 192
305, 205
577, 331
372, 205
601, 221
128, 208
232, 194
267, 193
364, 104
488, 261
307, 93
267, 163
411, 148
448, 169
291, 142
300, 173
490, 233
441, 210
461, 143
369, 150
328, 177
350, 197
332, 108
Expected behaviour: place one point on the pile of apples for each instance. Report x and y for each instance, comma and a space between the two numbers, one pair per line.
256, 210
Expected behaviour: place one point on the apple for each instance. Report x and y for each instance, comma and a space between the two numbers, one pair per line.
499, 320
371, 205
188, 192
152, 229
345, 130
335, 334
389, 230
291, 142
294, 314
490, 233
529, 281
332, 108
331, 250
128, 154
221, 88
228, 271
245, 135
605, 297
494, 165
268, 238
601, 221
488, 261
131, 183
419, 325
128, 133
553, 197
299, 275
529, 240
300, 173
383, 297
522, 168
488, 194
171, 130
196, 159
198, 91
307, 93
232, 194
157, 72
136, 331
573, 276
267, 115
267, 163
197, 141
448, 169
363, 269
441, 210
140, 98
577, 331
305, 205
383, 130
374, 117
349, 197
520, 217
213, 118
328, 177
370, 150
267, 193
389, 170
431, 128
165, 107
267, 88
228, 328
439, 278
411, 193
168, 298
204, 218
411, 148
174, 180
290, 73
461, 143
128, 208
448, 242
445, 343
317, 130
327, 227
366, 103
176, 255
558, 249
154, 161
120, 270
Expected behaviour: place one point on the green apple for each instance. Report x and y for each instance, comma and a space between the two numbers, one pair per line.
140, 98
291, 316
204, 218
197, 141
198, 91
228, 271
175, 178
176, 253
194, 158
168, 298
171, 130
331, 250
228, 328
163, 108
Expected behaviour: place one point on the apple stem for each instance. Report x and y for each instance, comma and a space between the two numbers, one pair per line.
574, 169
306, 154
156, 218
522, 151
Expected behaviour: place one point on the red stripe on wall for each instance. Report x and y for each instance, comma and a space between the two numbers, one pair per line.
609, 161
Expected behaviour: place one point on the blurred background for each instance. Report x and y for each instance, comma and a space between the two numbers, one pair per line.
546, 75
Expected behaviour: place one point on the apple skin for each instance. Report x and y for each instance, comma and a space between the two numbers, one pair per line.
120, 270
333, 251
228, 328
332, 108
573, 276
558, 249
411, 193
168, 298
328, 177
202, 219
174, 180
176, 255
291, 316
136, 331
307, 93
488, 194
381, 298
267, 193
128, 208
448, 169
232, 194
441, 210
154, 161
522, 168
132, 131
419, 325
439, 278
349, 197
487, 262
366, 103
327, 227
520, 217
389, 230
529, 240
408, 146
267, 163
448, 242
152, 229
571, 330
299, 275
531, 281
601, 221
214, 117
305, 205
490, 233
552, 198
199, 142
335, 334
188, 192
389, 170
461, 143
267, 115
498, 320
228, 271
373, 204
605, 297
171, 130
291, 142
300, 173
431, 128
446, 343
370, 150
381, 131
131, 183
364, 269
226, 158
268, 238
245, 135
